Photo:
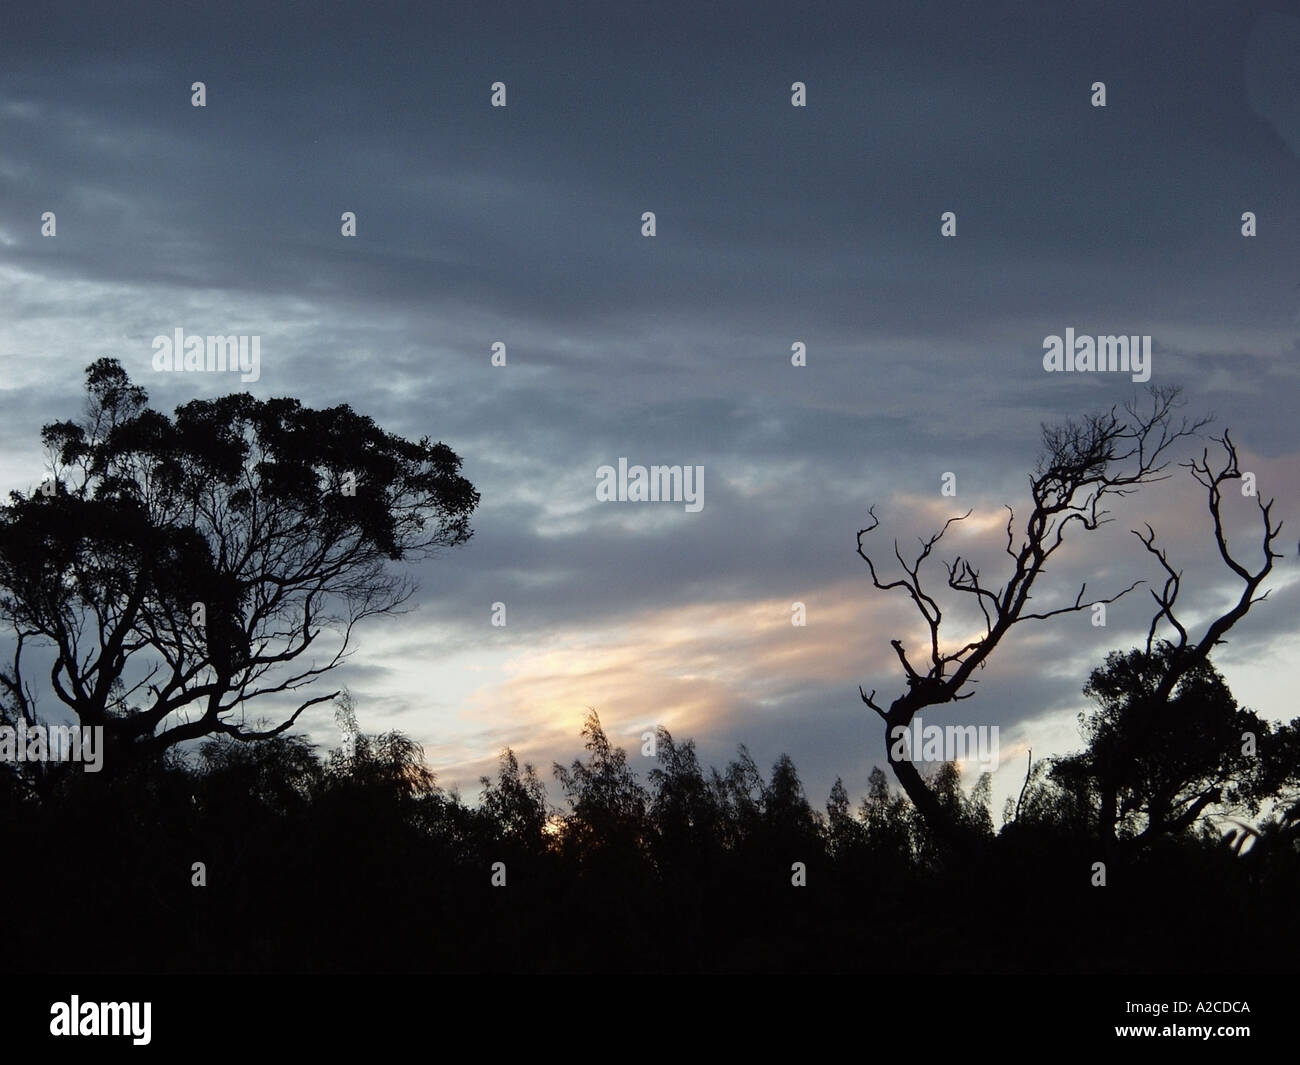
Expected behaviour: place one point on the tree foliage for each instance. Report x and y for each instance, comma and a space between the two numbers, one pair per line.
172, 571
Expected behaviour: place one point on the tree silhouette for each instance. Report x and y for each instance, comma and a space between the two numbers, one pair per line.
790, 824
515, 803
1083, 465
1154, 766
181, 568
685, 810
845, 834
608, 818
740, 796
887, 819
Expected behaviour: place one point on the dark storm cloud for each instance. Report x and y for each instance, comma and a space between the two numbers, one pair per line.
670, 109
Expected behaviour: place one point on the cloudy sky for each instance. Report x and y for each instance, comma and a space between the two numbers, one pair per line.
774, 224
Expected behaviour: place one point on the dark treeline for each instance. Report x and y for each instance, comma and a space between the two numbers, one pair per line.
359, 861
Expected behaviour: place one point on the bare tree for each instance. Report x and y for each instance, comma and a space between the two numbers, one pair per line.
1083, 464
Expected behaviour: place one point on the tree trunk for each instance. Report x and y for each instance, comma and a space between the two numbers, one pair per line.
951, 833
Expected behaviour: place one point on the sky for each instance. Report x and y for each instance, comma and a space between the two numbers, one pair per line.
774, 225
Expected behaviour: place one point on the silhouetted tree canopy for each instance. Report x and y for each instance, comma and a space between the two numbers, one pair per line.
1159, 764
515, 803
173, 570
608, 803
